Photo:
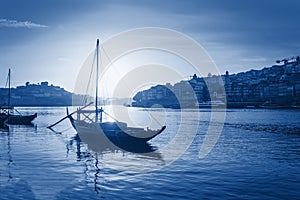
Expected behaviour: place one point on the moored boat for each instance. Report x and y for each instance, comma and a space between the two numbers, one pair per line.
20, 119
8, 115
88, 123
117, 132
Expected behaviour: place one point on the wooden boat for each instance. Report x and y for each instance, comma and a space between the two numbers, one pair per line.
20, 119
9, 115
10, 119
89, 124
116, 132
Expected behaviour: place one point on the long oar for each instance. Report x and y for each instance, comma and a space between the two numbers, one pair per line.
68, 115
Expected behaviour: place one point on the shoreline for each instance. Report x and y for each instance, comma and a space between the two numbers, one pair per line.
228, 107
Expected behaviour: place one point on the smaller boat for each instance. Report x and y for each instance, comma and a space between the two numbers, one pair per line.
8, 115
20, 119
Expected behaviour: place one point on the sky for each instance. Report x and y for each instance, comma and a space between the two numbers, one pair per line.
49, 40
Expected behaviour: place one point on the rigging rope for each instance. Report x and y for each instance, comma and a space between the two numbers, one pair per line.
88, 85
104, 88
126, 85
7, 79
110, 116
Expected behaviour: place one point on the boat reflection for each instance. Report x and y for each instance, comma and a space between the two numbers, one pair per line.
102, 145
4, 127
11, 128
10, 160
6, 157
101, 157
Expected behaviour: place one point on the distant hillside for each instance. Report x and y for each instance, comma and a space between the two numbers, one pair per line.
277, 86
43, 94
36, 95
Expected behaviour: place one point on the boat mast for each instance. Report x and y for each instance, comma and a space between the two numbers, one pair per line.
9, 92
97, 70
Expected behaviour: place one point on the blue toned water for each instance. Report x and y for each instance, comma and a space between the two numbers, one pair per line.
257, 156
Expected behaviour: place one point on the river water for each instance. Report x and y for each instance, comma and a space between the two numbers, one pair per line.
255, 156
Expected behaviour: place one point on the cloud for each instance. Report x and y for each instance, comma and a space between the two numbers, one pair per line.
20, 24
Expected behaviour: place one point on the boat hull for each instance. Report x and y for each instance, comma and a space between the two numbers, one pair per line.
107, 135
20, 119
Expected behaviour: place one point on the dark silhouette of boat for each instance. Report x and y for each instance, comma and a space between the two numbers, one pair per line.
20, 119
117, 132
88, 123
9, 115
